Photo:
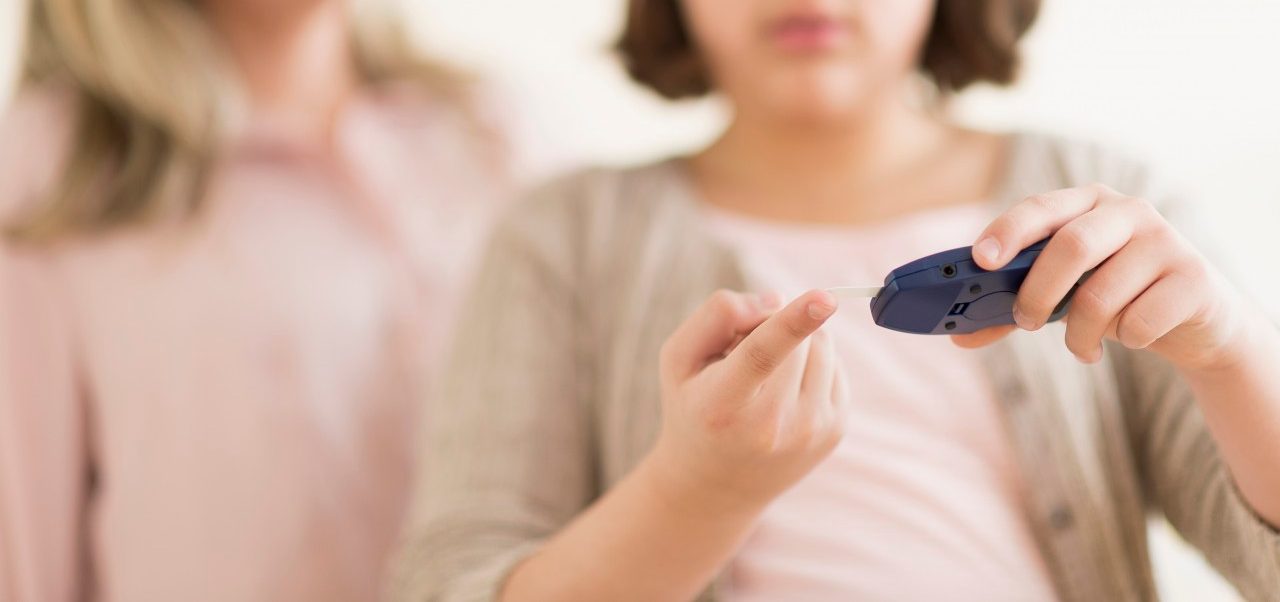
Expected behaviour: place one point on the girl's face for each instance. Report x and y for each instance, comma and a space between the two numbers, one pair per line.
809, 60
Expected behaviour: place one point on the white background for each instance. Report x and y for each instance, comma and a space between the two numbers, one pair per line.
1189, 84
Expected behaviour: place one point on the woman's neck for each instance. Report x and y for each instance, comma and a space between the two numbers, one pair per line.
296, 67
886, 161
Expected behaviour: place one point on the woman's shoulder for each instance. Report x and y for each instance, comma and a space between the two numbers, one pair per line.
36, 129
432, 117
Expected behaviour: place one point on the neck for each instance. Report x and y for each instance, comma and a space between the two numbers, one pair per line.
295, 66
856, 152
841, 171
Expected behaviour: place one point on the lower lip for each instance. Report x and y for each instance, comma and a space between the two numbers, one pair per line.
809, 37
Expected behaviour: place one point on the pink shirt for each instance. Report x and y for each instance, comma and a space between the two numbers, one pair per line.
224, 411
922, 499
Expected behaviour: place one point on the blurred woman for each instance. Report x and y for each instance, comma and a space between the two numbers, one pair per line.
608, 433
234, 230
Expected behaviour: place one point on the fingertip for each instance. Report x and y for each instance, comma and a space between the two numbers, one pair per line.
986, 252
1024, 321
821, 304
982, 338
963, 341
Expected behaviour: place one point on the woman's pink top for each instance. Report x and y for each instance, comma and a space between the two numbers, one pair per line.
922, 499
223, 410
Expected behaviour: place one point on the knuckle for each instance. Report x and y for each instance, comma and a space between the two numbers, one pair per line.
1076, 241
716, 419
1195, 271
1152, 224
1164, 234
1002, 229
1138, 205
794, 328
1012, 223
759, 360
1006, 224
1036, 305
1101, 189
1090, 303
1046, 202
1135, 331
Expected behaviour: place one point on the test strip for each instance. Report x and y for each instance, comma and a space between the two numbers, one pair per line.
855, 292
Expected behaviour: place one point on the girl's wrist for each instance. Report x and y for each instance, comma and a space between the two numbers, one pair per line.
675, 485
1256, 336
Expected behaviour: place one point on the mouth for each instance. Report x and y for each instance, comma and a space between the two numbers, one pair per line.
807, 33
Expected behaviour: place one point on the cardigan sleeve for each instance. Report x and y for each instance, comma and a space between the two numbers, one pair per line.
1186, 479
1183, 475
506, 460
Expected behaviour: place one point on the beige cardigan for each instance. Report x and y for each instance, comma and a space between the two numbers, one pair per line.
551, 396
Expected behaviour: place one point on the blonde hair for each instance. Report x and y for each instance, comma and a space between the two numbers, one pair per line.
152, 103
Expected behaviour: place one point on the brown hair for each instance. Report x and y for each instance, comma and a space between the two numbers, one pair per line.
970, 41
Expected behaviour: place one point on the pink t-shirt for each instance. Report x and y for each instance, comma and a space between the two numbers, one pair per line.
922, 499
224, 410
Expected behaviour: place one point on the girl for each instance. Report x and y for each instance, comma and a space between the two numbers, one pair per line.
595, 441
234, 231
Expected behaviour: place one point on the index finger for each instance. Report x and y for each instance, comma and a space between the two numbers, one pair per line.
762, 351
1031, 221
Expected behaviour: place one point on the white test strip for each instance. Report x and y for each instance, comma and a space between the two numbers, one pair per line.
856, 292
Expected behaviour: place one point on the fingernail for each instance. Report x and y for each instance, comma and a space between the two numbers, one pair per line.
823, 307
1022, 320
988, 249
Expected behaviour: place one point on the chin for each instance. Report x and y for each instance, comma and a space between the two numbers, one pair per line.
825, 101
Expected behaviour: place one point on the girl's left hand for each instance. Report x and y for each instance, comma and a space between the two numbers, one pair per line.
1152, 289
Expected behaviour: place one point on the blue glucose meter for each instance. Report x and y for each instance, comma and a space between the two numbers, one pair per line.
947, 293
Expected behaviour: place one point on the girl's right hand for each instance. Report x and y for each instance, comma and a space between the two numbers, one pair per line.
752, 399
751, 402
